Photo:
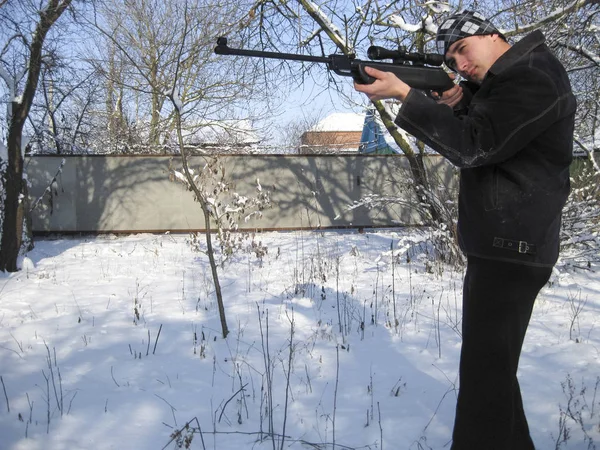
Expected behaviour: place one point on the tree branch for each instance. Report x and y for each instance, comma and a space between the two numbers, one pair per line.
554, 16
582, 51
47, 18
327, 25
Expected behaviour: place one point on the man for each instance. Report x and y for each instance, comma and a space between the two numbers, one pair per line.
513, 144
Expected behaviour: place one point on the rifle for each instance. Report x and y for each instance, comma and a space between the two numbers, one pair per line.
409, 67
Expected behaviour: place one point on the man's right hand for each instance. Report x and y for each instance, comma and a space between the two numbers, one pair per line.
451, 97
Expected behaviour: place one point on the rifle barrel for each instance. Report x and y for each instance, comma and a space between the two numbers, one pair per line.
225, 50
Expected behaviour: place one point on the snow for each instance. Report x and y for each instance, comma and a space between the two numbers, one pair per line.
114, 342
437, 7
426, 22
325, 22
176, 101
25, 139
3, 152
11, 84
401, 23
341, 122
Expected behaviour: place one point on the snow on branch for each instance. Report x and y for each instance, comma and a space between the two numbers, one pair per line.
437, 7
3, 153
310, 37
11, 84
553, 16
326, 24
426, 23
583, 51
399, 22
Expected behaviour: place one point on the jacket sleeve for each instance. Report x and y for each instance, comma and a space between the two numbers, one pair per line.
508, 111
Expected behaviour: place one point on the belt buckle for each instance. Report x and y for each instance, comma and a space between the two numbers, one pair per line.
523, 247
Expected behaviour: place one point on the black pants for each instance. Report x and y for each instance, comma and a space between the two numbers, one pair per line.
498, 299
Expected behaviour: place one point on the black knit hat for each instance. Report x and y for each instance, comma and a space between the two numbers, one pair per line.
460, 26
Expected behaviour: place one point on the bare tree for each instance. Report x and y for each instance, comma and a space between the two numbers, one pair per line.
61, 116
22, 58
166, 56
212, 190
142, 40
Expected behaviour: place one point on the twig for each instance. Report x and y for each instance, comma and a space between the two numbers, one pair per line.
156, 341
438, 333
6, 396
71, 402
287, 381
264, 338
30, 407
47, 401
171, 406
231, 398
62, 405
316, 445
380, 427
148, 348
58, 402
438, 407
177, 433
17, 342
394, 286
11, 350
259, 433
337, 296
337, 377
113, 377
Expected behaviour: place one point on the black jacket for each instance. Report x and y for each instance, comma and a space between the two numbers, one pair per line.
514, 146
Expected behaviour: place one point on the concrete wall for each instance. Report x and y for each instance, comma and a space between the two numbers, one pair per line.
134, 193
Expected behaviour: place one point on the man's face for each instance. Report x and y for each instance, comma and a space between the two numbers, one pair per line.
472, 56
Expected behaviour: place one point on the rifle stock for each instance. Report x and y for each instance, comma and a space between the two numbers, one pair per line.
415, 75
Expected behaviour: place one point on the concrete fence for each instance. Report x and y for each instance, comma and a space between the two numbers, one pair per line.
134, 193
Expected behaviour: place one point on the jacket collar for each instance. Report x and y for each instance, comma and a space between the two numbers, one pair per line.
517, 51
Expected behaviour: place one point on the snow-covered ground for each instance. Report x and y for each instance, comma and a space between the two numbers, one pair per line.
336, 341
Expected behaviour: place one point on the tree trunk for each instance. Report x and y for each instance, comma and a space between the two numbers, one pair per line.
417, 167
207, 233
14, 206
421, 184
12, 226
214, 271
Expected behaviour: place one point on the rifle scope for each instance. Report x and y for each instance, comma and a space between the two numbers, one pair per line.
401, 55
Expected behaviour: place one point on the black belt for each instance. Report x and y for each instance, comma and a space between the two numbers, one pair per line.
517, 246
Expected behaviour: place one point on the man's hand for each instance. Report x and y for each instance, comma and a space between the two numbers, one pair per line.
386, 85
451, 97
